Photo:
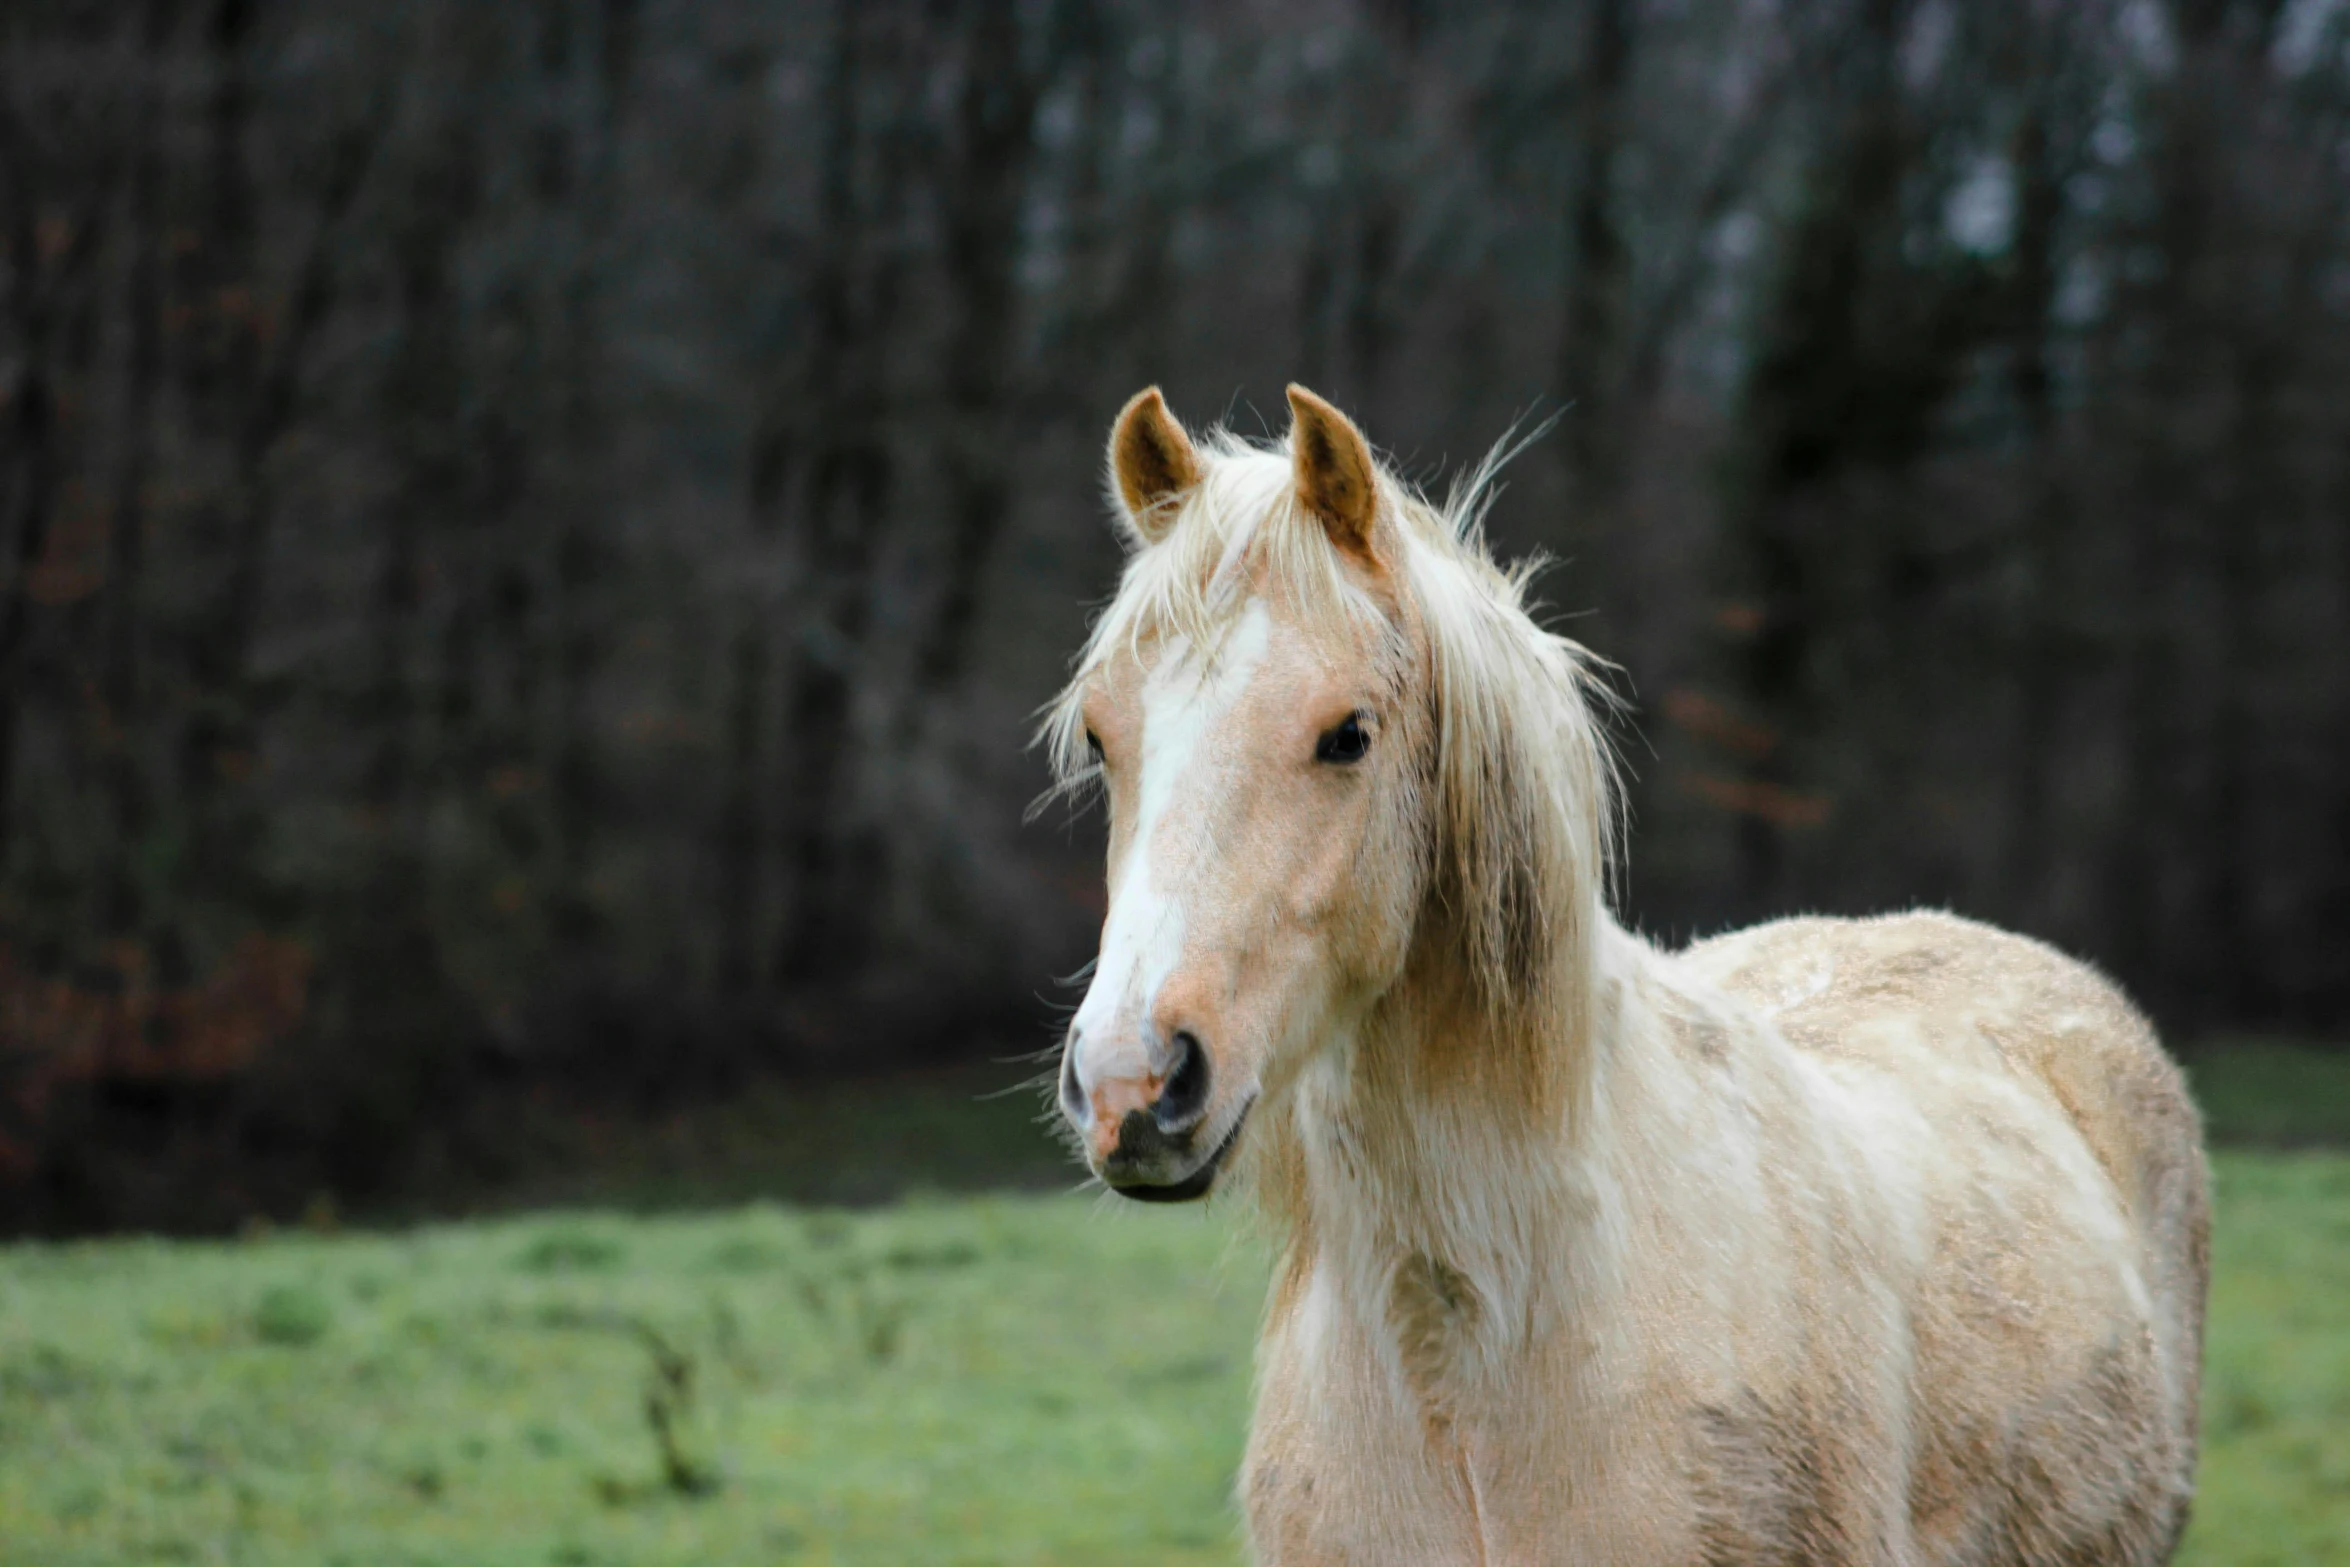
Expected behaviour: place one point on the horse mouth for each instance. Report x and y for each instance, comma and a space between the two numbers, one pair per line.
1195, 1185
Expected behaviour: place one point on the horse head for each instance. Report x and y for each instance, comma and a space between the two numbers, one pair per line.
1294, 708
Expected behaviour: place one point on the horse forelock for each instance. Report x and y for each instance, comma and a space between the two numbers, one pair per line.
1239, 531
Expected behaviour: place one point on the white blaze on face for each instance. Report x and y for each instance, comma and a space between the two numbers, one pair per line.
1184, 706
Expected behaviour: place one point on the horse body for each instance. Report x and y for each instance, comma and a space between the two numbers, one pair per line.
1826, 1242
1878, 1246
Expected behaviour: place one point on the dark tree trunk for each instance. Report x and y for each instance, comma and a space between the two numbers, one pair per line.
52, 315
1598, 269
261, 389
581, 563
124, 745
833, 853
984, 196
832, 863
2045, 648
740, 821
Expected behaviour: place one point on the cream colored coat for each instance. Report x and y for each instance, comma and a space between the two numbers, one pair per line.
1830, 1242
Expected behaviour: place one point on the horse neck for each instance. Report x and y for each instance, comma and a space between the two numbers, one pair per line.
1446, 1131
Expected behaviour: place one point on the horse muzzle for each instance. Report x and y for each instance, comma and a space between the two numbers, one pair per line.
1143, 1132
1145, 1181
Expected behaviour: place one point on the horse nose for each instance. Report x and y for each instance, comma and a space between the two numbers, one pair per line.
1184, 1099
1134, 1118
1072, 1090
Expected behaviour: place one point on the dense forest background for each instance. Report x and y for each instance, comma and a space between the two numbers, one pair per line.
531, 532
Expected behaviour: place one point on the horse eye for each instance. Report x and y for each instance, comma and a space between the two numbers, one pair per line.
1093, 743
1346, 743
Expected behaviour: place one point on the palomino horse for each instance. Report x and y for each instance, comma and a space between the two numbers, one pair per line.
1830, 1241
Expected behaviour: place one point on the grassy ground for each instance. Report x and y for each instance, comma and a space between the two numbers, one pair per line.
1006, 1379
2275, 1481
1016, 1379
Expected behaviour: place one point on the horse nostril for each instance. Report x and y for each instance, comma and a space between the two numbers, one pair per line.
1185, 1098
1072, 1091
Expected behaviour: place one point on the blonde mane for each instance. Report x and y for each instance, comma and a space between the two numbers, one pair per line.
1522, 825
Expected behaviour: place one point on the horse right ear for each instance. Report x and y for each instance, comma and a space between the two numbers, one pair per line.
1152, 463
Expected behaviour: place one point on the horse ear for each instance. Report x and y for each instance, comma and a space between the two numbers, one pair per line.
1335, 477
1152, 462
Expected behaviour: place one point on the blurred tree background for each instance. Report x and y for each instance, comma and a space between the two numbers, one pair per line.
531, 532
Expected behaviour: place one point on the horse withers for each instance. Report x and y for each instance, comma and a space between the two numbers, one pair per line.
1830, 1241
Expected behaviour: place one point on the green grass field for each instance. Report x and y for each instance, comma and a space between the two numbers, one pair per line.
1015, 1379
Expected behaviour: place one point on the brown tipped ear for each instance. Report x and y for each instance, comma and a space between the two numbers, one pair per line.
1152, 461
1334, 473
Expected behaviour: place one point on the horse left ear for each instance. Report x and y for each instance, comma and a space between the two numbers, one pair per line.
1335, 476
